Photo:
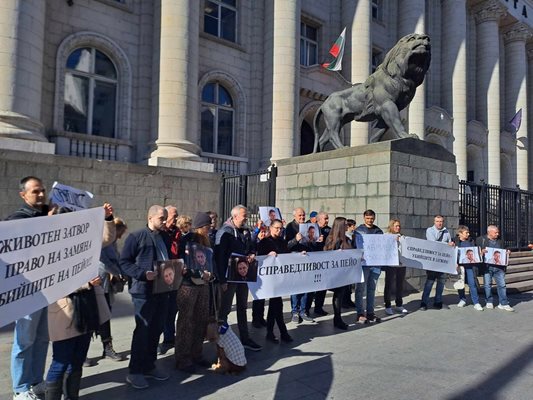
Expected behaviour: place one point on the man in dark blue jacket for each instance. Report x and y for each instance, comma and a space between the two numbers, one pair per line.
141, 250
371, 274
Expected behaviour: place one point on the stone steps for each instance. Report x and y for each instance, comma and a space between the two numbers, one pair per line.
519, 275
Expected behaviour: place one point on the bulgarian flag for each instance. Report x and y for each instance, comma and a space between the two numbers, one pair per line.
337, 51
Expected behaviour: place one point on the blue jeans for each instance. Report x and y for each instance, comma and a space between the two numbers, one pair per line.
30, 345
470, 277
150, 314
68, 356
433, 276
499, 276
298, 302
371, 275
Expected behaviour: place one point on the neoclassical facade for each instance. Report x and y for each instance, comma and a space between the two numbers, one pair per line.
236, 83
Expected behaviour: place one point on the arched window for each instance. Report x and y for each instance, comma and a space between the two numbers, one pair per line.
217, 119
90, 96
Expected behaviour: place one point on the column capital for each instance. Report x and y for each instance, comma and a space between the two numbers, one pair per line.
490, 10
517, 32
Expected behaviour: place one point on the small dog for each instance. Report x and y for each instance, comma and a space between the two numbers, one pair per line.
230, 353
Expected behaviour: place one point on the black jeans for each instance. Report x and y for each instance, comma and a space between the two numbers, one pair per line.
394, 277
150, 316
318, 297
258, 310
240, 290
275, 314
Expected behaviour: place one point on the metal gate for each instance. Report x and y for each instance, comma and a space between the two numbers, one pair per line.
510, 209
251, 190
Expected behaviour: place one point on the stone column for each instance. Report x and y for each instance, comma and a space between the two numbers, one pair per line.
356, 17
178, 81
21, 70
411, 14
530, 109
286, 77
516, 93
454, 87
487, 15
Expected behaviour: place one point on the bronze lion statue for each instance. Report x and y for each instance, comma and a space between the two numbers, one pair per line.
381, 97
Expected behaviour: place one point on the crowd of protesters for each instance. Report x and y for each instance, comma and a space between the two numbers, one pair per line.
182, 315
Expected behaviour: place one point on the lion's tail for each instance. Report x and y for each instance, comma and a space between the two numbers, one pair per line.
316, 121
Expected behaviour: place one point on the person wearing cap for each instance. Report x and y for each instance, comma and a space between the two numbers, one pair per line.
193, 297
312, 217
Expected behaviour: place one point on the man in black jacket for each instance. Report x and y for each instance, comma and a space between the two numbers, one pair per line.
234, 237
141, 250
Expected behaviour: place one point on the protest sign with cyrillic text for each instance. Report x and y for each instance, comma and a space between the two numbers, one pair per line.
70, 197
428, 255
380, 250
294, 273
45, 258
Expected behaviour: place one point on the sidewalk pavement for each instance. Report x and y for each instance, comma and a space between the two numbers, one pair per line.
454, 353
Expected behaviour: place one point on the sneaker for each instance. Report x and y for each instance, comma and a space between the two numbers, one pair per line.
478, 307
402, 310
295, 318
259, 323
29, 395
371, 318
306, 318
286, 338
360, 318
39, 389
461, 304
272, 338
489, 306
506, 307
437, 306
137, 381
164, 347
389, 311
423, 306
157, 374
89, 362
251, 345
320, 312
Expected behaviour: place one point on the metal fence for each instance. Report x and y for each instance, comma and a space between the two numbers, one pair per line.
252, 190
510, 209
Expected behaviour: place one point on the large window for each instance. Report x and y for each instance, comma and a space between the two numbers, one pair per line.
377, 10
217, 119
377, 58
308, 45
220, 19
90, 93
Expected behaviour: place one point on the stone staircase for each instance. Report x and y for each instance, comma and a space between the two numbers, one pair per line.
519, 275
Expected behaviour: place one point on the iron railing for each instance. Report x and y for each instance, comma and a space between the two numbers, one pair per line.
511, 210
251, 190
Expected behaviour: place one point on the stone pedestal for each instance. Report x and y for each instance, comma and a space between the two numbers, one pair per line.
408, 179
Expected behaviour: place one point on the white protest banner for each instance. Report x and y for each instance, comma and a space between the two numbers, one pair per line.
45, 258
428, 255
69, 197
380, 250
297, 273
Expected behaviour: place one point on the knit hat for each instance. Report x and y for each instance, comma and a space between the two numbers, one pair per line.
201, 219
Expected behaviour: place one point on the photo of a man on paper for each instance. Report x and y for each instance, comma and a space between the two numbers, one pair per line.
310, 233
241, 270
168, 275
269, 214
496, 256
469, 255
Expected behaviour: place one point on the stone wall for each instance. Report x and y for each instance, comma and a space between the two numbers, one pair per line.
131, 188
408, 179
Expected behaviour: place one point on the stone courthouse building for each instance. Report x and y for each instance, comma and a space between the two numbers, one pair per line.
236, 83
